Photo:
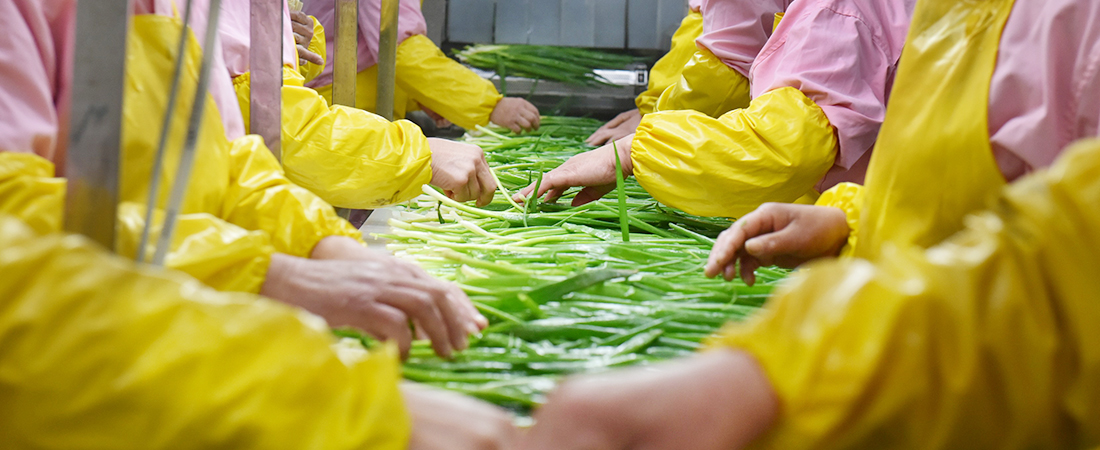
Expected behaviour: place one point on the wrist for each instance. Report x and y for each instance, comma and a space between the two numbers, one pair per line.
279, 282
336, 247
623, 147
742, 394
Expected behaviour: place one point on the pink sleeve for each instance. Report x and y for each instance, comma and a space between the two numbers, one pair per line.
695, 5
410, 23
36, 49
234, 31
736, 30
842, 54
1045, 91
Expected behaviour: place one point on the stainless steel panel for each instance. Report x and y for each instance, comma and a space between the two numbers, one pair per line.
468, 20
92, 165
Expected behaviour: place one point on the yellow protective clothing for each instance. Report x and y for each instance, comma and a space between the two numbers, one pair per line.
775, 150
427, 78
984, 341
29, 192
938, 112
99, 353
310, 70
708, 85
847, 197
239, 206
666, 71
348, 157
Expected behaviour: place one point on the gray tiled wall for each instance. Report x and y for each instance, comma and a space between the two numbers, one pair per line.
640, 24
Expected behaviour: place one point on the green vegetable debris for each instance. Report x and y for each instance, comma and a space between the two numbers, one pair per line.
564, 290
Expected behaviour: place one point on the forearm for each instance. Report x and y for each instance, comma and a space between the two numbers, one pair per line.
773, 151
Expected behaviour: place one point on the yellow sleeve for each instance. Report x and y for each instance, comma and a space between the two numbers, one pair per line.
848, 197
260, 197
773, 151
707, 85
348, 157
666, 70
987, 340
310, 70
219, 254
101, 353
29, 191
443, 85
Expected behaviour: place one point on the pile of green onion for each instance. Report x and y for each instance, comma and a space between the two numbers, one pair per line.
565, 64
565, 290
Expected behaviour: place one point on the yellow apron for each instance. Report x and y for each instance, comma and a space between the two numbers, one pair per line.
933, 163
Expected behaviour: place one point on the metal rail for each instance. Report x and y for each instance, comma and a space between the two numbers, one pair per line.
194, 125
266, 72
95, 136
387, 58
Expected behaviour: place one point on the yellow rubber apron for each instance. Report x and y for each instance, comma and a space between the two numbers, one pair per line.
933, 163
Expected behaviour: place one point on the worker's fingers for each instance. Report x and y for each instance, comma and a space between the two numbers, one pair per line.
554, 194
523, 122
307, 55
598, 138
725, 248
463, 194
748, 269
423, 307
387, 323
455, 317
618, 120
487, 182
300, 27
730, 271
532, 115
591, 194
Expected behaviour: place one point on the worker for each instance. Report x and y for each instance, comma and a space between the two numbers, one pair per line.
100, 353
819, 92
983, 340
1017, 135
244, 227
426, 78
707, 68
348, 157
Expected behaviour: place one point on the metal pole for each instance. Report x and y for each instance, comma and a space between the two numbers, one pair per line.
95, 136
266, 67
346, 62
387, 58
162, 144
187, 156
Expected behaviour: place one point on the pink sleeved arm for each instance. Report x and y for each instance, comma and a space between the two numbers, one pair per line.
234, 32
36, 48
695, 5
736, 30
842, 55
410, 23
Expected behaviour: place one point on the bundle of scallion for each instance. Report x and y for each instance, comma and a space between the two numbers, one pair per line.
565, 290
565, 64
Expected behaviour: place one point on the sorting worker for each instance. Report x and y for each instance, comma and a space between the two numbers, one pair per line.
990, 134
426, 78
707, 68
349, 157
101, 353
819, 91
985, 339
243, 226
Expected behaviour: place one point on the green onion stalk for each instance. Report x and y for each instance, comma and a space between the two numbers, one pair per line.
567, 290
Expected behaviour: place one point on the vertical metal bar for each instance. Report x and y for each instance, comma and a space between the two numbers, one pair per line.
387, 58
165, 130
194, 125
95, 137
266, 67
346, 58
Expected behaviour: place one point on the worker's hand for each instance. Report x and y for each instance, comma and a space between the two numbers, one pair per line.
440, 121
302, 26
594, 170
621, 126
778, 234
461, 171
444, 420
719, 400
376, 293
515, 114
